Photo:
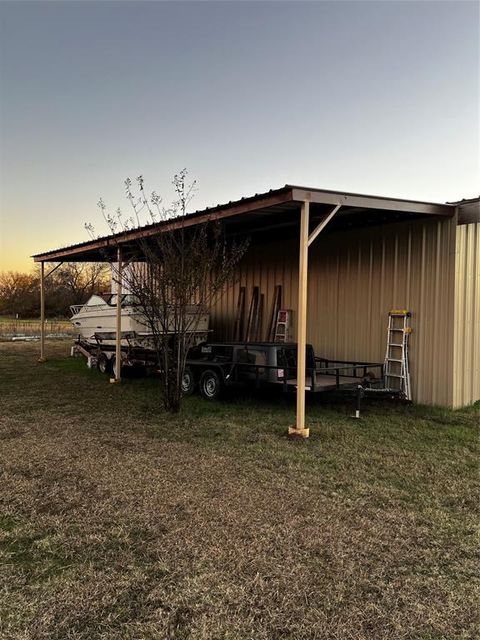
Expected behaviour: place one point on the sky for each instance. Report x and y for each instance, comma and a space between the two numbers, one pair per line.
369, 97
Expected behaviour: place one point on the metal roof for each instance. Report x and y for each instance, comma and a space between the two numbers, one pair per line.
247, 215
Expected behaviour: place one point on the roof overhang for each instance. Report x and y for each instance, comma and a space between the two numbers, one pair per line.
370, 202
269, 212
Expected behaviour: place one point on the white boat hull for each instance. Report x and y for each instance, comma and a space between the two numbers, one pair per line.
97, 323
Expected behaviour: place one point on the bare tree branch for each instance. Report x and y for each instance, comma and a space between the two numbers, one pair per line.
176, 276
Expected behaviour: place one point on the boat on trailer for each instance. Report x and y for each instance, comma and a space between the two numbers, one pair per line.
96, 321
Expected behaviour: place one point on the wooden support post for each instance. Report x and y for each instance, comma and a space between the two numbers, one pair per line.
118, 333
300, 429
42, 312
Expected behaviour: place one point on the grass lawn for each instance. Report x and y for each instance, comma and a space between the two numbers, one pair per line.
120, 522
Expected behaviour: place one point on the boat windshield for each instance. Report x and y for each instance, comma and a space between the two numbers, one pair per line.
128, 300
95, 301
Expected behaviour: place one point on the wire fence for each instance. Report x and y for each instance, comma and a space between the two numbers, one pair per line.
31, 328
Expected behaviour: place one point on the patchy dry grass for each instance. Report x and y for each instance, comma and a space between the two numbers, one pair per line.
119, 522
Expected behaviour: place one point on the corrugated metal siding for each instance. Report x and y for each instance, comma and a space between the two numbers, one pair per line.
467, 316
354, 279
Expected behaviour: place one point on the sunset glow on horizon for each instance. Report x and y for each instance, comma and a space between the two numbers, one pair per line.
368, 97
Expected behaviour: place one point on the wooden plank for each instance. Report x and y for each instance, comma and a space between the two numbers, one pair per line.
252, 313
258, 319
276, 306
240, 316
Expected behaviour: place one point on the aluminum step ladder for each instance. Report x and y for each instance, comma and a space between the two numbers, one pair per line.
282, 326
396, 368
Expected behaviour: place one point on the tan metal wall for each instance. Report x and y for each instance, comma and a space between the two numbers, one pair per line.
354, 279
467, 316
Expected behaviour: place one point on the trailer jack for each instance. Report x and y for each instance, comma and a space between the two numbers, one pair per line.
359, 395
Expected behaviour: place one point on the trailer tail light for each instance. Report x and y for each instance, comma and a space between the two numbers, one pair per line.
280, 374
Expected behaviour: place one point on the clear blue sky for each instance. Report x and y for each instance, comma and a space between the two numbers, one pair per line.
375, 97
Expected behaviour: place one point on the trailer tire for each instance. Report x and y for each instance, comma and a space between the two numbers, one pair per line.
104, 365
210, 385
188, 382
113, 364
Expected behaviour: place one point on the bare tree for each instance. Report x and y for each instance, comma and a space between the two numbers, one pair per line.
71, 283
18, 293
176, 276
77, 281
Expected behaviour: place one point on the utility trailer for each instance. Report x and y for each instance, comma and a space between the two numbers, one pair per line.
211, 367
101, 353
214, 366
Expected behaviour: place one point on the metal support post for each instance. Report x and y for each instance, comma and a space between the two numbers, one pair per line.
300, 429
306, 240
118, 333
42, 312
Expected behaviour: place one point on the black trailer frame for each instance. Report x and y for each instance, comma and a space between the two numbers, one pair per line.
327, 375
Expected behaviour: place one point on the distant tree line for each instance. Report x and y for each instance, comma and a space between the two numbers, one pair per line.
71, 283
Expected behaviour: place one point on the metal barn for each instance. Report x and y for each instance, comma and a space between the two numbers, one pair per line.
343, 260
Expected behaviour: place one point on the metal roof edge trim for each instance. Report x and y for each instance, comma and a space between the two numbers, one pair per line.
365, 195
324, 196
243, 205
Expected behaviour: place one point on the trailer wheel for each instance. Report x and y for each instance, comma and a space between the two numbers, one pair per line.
188, 382
210, 385
103, 363
113, 364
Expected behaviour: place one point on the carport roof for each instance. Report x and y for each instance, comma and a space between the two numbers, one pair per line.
263, 212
